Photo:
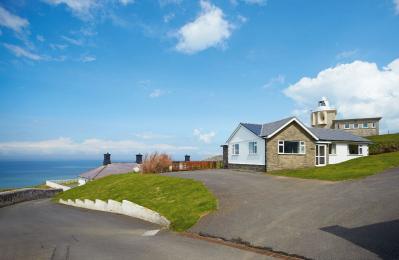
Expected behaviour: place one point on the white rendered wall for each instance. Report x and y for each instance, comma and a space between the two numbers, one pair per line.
342, 153
242, 137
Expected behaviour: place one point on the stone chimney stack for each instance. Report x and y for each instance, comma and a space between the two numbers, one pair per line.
107, 159
139, 158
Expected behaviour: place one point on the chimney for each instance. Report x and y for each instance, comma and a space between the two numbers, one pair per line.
139, 158
187, 158
107, 159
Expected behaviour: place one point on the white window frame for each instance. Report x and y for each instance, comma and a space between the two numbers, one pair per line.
235, 150
301, 148
359, 150
355, 125
335, 149
255, 146
365, 125
372, 124
349, 126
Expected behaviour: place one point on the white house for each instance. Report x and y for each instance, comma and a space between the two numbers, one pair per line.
287, 144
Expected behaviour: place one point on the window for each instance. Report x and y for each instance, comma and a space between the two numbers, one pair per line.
373, 125
253, 148
355, 125
346, 125
236, 149
355, 149
291, 147
365, 125
332, 149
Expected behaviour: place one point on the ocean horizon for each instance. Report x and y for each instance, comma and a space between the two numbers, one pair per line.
18, 174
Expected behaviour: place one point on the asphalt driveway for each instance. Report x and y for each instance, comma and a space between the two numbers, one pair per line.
44, 230
345, 220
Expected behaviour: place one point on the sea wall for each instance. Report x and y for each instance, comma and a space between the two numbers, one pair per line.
15, 196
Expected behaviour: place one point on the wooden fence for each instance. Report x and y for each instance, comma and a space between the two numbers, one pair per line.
196, 165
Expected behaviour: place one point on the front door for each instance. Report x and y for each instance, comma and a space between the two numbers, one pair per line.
321, 154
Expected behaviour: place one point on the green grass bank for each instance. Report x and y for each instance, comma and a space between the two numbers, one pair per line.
352, 169
182, 201
384, 143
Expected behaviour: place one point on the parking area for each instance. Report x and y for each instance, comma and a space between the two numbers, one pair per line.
356, 219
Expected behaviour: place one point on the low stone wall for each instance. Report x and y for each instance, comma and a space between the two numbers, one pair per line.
55, 185
15, 196
250, 167
125, 207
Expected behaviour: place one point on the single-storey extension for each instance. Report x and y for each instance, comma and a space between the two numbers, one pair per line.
288, 144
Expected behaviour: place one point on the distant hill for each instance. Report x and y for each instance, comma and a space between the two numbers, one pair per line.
214, 158
384, 143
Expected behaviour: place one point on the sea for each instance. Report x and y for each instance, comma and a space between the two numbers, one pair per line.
17, 174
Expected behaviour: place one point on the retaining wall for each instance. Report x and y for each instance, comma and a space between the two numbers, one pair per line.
55, 185
15, 196
125, 207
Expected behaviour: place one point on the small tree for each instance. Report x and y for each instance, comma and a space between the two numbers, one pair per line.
156, 163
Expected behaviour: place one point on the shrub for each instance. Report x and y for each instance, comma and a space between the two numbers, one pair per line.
156, 163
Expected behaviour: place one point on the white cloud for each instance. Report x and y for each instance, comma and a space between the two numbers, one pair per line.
204, 137
209, 29
168, 17
151, 136
67, 146
278, 80
55, 46
126, 2
40, 38
87, 58
396, 3
72, 40
156, 93
21, 52
357, 89
80, 8
347, 54
12, 21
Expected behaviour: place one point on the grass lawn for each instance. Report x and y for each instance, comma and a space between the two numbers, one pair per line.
352, 169
71, 184
182, 201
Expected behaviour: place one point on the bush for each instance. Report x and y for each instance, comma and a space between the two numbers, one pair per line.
384, 143
156, 163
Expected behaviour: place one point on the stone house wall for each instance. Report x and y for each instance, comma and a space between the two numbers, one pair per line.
293, 132
360, 131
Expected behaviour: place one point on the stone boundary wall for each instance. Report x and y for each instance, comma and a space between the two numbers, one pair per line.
14, 196
55, 185
125, 207
250, 167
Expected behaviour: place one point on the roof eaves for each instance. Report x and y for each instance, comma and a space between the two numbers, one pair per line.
290, 121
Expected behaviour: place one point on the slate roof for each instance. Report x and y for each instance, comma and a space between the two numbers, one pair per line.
110, 169
336, 135
266, 129
263, 130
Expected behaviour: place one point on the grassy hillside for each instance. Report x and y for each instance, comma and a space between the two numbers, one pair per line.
182, 201
384, 143
352, 169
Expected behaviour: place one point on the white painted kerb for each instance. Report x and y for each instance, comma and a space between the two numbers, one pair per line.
127, 208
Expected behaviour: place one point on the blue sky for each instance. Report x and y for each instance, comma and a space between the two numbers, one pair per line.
80, 78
